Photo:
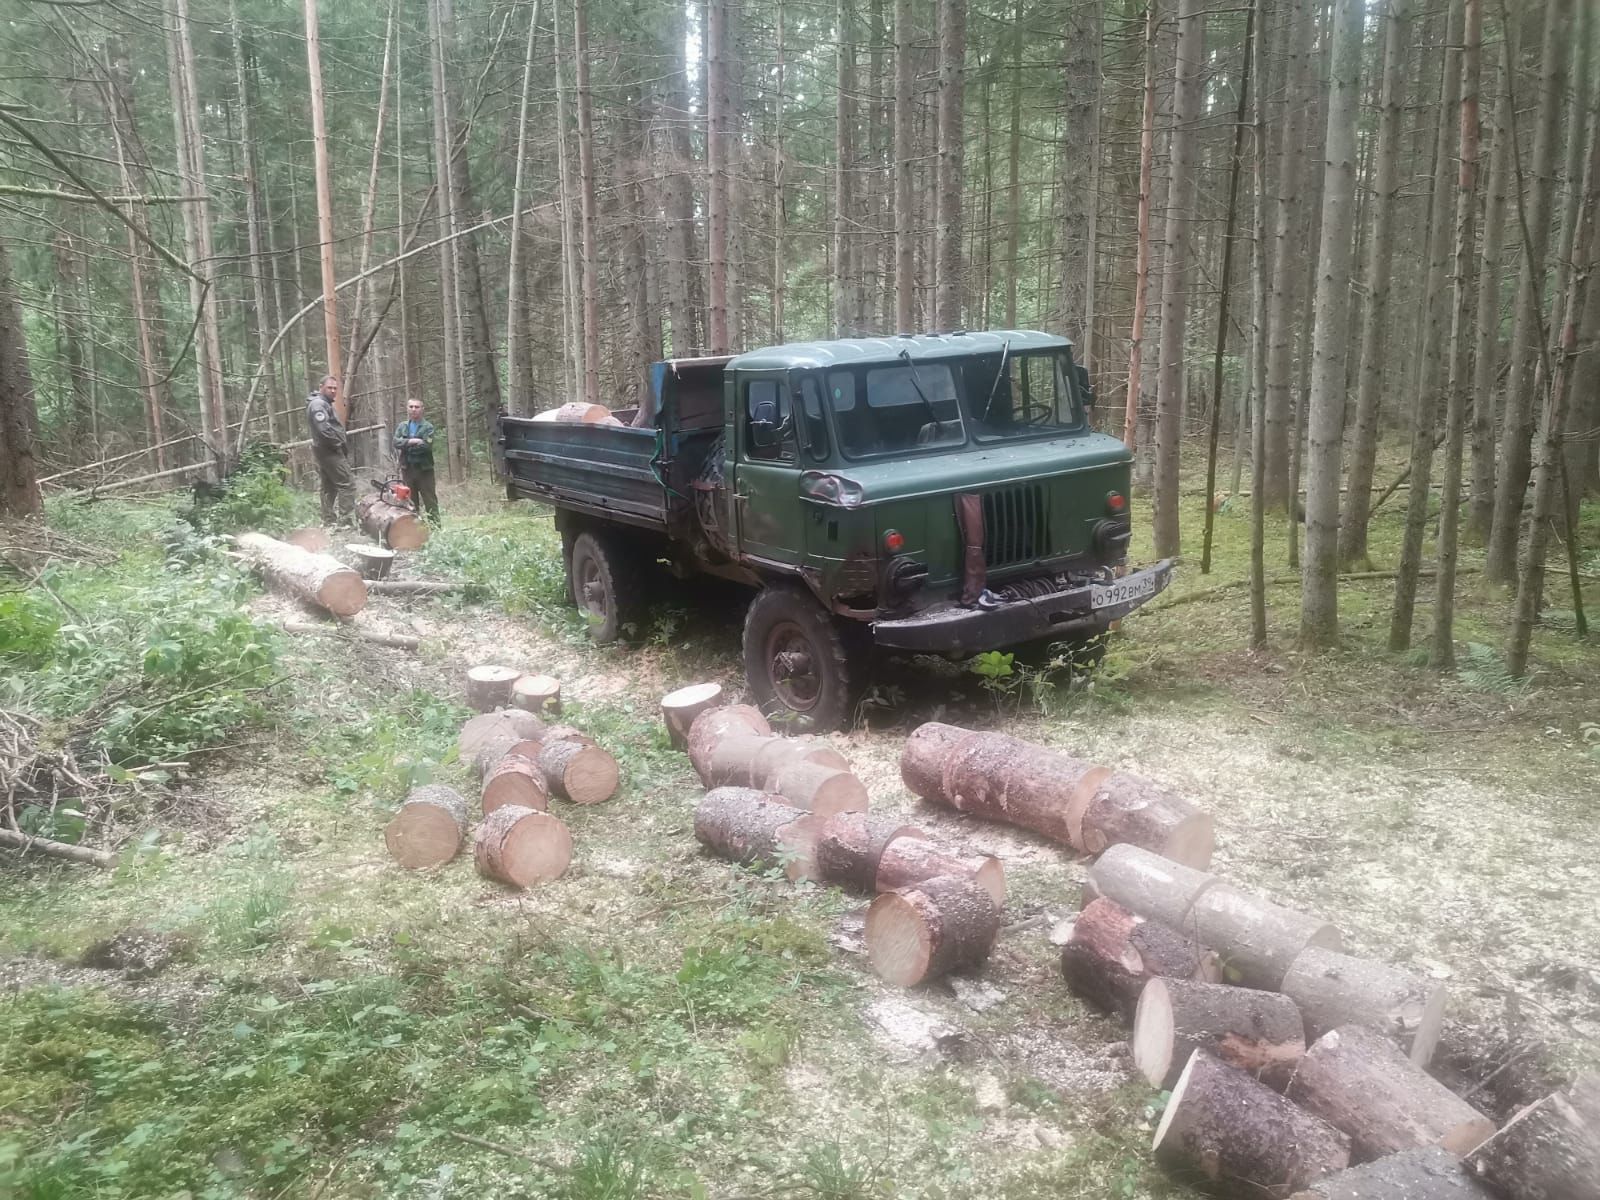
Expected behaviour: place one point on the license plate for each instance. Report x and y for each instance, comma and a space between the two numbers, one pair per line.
1122, 591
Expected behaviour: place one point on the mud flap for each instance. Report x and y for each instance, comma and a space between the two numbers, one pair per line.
969, 520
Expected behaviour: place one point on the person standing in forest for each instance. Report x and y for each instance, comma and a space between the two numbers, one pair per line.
330, 446
413, 446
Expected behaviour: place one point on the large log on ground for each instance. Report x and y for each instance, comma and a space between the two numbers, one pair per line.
521, 846
1112, 954
1147, 884
393, 526
489, 686
1548, 1151
429, 828
1431, 1174
755, 829
1334, 989
515, 779
681, 707
708, 730
578, 771
311, 537
750, 760
819, 788
1361, 1082
314, 578
1260, 1033
1127, 809
540, 694
908, 861
1256, 939
1222, 1126
850, 846
921, 933
486, 726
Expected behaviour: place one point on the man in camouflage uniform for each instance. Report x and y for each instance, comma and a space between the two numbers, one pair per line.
330, 447
413, 446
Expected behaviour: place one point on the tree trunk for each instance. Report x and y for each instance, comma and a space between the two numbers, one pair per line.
1080, 148
19, 419
571, 272
924, 932
717, 185
429, 828
710, 728
1548, 1151
325, 242
1260, 270
1258, 940
578, 771
952, 85
1141, 284
1112, 955
444, 202
71, 339
264, 314
314, 578
521, 846
1486, 337
753, 828
586, 206
680, 232
751, 760
1148, 884
844, 240
904, 223
818, 787
780, 266
518, 352
1334, 989
393, 526
515, 779
369, 212
908, 861
852, 844
1259, 1033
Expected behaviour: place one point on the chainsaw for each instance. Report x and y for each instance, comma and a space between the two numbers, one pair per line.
392, 491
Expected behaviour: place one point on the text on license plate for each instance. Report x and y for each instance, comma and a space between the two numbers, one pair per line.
1122, 591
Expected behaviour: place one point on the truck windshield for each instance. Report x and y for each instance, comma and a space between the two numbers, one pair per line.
1031, 396
884, 410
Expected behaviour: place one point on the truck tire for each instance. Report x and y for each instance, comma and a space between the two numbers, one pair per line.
600, 577
797, 662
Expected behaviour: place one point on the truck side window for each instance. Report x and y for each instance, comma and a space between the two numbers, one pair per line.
816, 424
769, 424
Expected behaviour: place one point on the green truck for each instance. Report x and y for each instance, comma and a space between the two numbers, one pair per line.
937, 494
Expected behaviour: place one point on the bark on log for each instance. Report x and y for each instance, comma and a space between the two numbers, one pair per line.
1260, 1033
1431, 1174
398, 641
712, 726
486, 726
923, 757
1222, 1126
503, 742
391, 525
1147, 884
579, 771
515, 779
749, 760
1256, 939
1126, 809
489, 686
429, 828
521, 846
538, 694
924, 932
1548, 1151
851, 845
1361, 1082
1112, 954
83, 854
313, 538
906, 862
314, 578
680, 708
753, 828
815, 787
1334, 989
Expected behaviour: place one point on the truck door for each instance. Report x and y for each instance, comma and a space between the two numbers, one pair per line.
766, 493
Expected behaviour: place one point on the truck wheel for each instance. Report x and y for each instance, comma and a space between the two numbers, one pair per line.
796, 661
600, 576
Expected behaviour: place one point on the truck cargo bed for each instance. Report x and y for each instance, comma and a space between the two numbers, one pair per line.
603, 469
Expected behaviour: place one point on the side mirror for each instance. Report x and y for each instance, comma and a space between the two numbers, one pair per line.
1081, 374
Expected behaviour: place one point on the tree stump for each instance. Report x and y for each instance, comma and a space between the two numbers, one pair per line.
390, 524
521, 846
538, 694
489, 686
578, 771
1148, 884
815, 787
313, 578
712, 726
923, 932
1260, 1033
486, 725
1112, 954
1548, 1151
429, 828
371, 562
1256, 939
515, 779
755, 829
906, 862
680, 708
1334, 989
1431, 1174
851, 845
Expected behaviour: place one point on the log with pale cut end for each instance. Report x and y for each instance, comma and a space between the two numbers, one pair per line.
1112, 953
1260, 1033
1224, 1127
816, 787
489, 686
924, 932
923, 757
521, 846
1361, 1082
1548, 1151
486, 726
749, 760
1147, 884
906, 862
576, 412
504, 742
429, 828
715, 724
312, 537
1334, 989
680, 708
314, 578
785, 753
390, 524
756, 829
1257, 940
851, 845
1126, 809
1431, 1174
579, 771
540, 694
515, 779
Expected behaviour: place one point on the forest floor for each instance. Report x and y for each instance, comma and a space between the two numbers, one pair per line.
258, 1003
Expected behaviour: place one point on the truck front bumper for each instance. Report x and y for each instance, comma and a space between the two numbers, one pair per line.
954, 629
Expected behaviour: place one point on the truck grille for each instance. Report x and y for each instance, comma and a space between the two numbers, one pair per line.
1016, 525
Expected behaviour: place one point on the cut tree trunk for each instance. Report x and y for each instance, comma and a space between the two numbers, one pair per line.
537, 694
521, 846
312, 538
752, 828
816, 787
1147, 884
515, 779
1222, 1126
505, 741
578, 771
314, 578
1548, 1151
850, 846
1112, 954
1359, 1081
908, 861
429, 828
486, 726
395, 527
924, 932
708, 729
1334, 989
489, 686
750, 761
1431, 1174
1260, 1033
680, 708
1128, 810
1258, 940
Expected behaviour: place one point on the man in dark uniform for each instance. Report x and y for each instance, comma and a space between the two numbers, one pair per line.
330, 447
413, 445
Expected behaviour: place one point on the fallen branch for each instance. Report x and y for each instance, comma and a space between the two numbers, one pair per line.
102, 489
411, 587
83, 854
497, 1147
1285, 580
400, 641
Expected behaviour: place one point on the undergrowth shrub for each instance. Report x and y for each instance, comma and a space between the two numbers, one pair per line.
394, 748
256, 496
519, 569
28, 628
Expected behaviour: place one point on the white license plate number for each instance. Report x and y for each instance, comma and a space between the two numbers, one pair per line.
1122, 591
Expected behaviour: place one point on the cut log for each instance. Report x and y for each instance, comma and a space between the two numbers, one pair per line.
750, 760
1256, 939
1334, 989
579, 771
921, 933
1548, 1151
1126, 809
1431, 1174
489, 686
411, 587
786, 753
1260, 1033
515, 779
1112, 954
715, 724
521, 846
13, 840
851, 845
399, 641
680, 708
1222, 1126
755, 829
313, 538
578, 413
906, 862
826, 791
1147, 884
537, 694
485, 726
389, 524
923, 757
1361, 1082
505, 741
371, 562
314, 578
429, 828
